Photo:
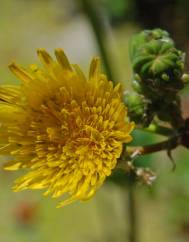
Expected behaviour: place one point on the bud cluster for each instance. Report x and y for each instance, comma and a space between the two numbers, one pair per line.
158, 76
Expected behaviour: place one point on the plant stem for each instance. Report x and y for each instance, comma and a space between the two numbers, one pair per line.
132, 213
96, 19
169, 144
153, 128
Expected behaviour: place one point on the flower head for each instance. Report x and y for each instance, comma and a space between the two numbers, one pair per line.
66, 130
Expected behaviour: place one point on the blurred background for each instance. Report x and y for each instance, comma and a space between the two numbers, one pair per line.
163, 209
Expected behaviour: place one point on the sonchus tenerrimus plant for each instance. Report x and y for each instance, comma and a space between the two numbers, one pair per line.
69, 132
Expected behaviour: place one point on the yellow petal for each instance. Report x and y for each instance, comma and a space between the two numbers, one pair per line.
79, 73
94, 68
10, 113
62, 59
45, 57
21, 73
66, 202
12, 166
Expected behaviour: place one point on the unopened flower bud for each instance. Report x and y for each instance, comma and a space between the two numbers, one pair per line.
157, 63
136, 105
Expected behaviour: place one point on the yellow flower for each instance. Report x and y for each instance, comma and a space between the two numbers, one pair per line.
65, 129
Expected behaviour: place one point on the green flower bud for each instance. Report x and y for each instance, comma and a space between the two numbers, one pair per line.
137, 106
158, 64
145, 36
136, 83
158, 75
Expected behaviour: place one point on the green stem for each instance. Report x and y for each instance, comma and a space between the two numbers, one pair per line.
168, 145
95, 18
153, 128
132, 213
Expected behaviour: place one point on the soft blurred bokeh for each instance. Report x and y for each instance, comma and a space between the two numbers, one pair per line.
163, 209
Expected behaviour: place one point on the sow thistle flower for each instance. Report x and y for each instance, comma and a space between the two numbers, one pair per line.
64, 129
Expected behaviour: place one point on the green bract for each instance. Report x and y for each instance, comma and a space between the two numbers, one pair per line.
158, 75
157, 64
137, 107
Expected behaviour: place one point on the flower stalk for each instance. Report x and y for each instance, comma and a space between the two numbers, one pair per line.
95, 18
132, 209
157, 129
169, 144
